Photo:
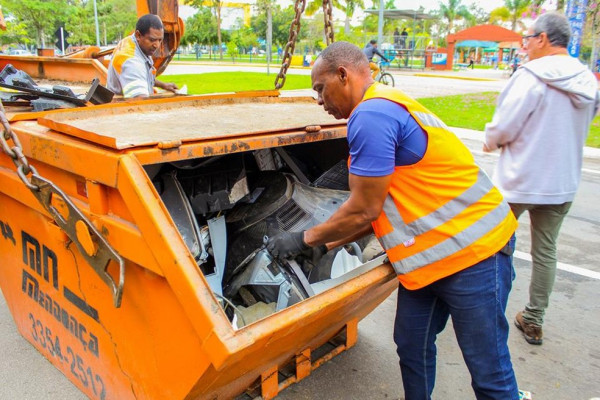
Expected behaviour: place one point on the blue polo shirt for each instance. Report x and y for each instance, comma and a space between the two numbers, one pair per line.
383, 135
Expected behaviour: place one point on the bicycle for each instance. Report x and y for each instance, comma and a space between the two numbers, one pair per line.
384, 77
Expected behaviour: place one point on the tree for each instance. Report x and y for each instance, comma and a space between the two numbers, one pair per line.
452, 11
246, 38
118, 18
282, 18
266, 7
216, 6
480, 16
232, 50
78, 23
499, 15
38, 15
516, 9
512, 12
201, 28
348, 7
16, 32
315, 35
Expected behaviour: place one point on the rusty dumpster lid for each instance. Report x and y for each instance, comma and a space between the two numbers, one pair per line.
127, 125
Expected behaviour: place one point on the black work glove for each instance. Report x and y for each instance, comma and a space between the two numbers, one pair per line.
287, 244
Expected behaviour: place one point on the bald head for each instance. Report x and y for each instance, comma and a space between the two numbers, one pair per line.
344, 54
340, 76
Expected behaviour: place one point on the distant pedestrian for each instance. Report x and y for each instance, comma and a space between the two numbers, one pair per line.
396, 38
540, 125
404, 35
471, 63
515, 64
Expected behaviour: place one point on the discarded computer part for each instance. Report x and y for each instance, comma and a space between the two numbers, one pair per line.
334, 263
177, 203
322, 286
335, 177
208, 244
284, 205
262, 279
218, 248
256, 201
268, 281
267, 160
215, 186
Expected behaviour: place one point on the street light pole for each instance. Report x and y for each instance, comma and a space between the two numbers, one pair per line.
97, 27
380, 23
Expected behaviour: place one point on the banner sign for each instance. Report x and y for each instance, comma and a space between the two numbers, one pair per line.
576, 15
439, 58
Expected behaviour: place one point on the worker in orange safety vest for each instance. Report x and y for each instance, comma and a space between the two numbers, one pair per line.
447, 231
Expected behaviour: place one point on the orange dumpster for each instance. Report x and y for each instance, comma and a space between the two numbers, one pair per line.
138, 270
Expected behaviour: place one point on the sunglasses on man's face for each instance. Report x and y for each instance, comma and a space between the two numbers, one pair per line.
527, 37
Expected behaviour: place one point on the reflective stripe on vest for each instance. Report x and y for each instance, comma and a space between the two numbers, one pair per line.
406, 233
430, 120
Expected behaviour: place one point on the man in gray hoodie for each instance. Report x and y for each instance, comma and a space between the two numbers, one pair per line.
540, 125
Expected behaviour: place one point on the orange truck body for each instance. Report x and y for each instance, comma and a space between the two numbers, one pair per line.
169, 339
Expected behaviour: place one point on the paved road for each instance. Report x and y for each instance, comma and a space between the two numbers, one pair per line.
414, 85
567, 366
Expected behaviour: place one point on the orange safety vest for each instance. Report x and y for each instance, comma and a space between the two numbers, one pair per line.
123, 52
442, 214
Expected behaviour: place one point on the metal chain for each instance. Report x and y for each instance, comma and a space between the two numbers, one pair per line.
16, 152
44, 190
291, 44
328, 20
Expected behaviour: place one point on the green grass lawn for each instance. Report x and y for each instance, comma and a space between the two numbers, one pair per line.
471, 111
216, 82
245, 58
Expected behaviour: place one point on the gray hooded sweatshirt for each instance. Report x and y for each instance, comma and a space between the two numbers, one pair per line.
541, 122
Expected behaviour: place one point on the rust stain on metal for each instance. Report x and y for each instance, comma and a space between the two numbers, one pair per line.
313, 128
169, 144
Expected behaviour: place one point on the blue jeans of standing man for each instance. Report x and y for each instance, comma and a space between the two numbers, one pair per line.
476, 300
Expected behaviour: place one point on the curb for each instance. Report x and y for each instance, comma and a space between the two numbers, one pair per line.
232, 64
462, 133
466, 78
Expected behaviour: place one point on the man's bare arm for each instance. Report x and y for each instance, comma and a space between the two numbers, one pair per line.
171, 87
368, 229
367, 195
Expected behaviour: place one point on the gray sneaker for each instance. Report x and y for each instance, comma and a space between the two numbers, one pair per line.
533, 333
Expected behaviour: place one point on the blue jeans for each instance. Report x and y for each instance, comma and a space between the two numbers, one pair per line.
476, 300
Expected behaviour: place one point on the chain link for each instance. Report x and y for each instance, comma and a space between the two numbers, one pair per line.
44, 190
328, 21
299, 6
16, 152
